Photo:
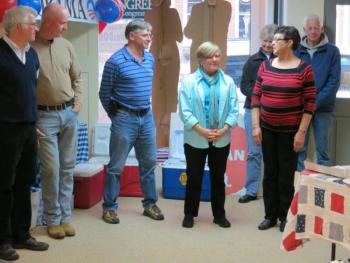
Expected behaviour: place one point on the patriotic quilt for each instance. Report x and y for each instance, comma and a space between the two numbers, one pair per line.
320, 208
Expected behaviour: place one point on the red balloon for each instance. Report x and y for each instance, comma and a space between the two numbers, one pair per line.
5, 5
101, 26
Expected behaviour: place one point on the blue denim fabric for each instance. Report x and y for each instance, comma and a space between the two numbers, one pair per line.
130, 130
57, 154
321, 123
252, 178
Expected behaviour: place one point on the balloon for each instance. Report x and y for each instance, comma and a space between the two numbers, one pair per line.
5, 5
121, 9
101, 26
35, 4
107, 11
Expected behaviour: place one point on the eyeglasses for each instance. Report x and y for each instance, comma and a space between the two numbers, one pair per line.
146, 35
30, 24
279, 39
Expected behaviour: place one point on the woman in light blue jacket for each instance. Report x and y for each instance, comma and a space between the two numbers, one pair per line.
209, 110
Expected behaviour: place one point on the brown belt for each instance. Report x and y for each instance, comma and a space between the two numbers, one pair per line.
57, 107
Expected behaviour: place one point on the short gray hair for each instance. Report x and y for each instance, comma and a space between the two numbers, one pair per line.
135, 25
207, 50
268, 31
312, 17
17, 15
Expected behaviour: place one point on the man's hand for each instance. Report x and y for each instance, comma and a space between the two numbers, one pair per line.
40, 133
76, 108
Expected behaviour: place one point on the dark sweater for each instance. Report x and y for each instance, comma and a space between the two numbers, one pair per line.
283, 95
17, 86
250, 70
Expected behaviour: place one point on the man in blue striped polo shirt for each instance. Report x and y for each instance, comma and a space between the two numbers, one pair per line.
125, 94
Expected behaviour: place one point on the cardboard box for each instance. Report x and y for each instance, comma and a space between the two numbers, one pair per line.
174, 177
88, 184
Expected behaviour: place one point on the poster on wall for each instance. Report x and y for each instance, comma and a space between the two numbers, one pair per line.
85, 10
135, 8
79, 10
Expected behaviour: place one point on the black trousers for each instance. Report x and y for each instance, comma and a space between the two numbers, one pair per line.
280, 163
18, 154
195, 159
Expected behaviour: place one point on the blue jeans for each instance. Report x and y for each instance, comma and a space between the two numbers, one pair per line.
57, 154
131, 130
252, 178
321, 123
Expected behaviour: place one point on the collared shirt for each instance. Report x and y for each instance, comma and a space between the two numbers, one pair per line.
127, 80
60, 73
20, 53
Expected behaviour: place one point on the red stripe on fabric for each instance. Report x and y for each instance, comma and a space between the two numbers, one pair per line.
318, 225
290, 243
337, 203
294, 204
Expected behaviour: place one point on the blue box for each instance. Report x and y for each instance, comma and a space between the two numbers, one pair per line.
174, 180
174, 175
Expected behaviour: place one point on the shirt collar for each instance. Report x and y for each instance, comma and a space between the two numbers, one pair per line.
38, 38
14, 46
129, 56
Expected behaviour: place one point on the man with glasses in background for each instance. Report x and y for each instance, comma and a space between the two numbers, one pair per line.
19, 65
324, 59
125, 94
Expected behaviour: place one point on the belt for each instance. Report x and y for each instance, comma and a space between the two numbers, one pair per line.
139, 112
57, 107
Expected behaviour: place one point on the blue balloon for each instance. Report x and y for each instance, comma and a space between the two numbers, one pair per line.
107, 11
35, 4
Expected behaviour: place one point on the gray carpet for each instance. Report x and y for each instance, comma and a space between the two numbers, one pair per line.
141, 240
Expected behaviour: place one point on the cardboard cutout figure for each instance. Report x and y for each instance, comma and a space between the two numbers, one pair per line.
209, 21
167, 31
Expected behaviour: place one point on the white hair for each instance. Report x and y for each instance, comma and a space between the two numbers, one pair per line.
313, 17
17, 15
267, 31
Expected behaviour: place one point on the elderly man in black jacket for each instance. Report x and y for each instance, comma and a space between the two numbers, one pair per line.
19, 65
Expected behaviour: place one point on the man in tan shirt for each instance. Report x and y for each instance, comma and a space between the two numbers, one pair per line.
59, 97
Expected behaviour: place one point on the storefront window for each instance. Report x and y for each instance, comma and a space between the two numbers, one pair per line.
112, 38
343, 42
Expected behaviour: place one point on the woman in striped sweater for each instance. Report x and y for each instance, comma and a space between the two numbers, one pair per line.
283, 102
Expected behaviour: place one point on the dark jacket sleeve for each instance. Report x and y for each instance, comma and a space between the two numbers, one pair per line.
247, 83
250, 71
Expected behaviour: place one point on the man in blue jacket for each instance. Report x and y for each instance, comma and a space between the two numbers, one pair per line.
324, 58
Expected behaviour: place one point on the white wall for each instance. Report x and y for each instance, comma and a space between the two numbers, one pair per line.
261, 14
296, 10
84, 38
